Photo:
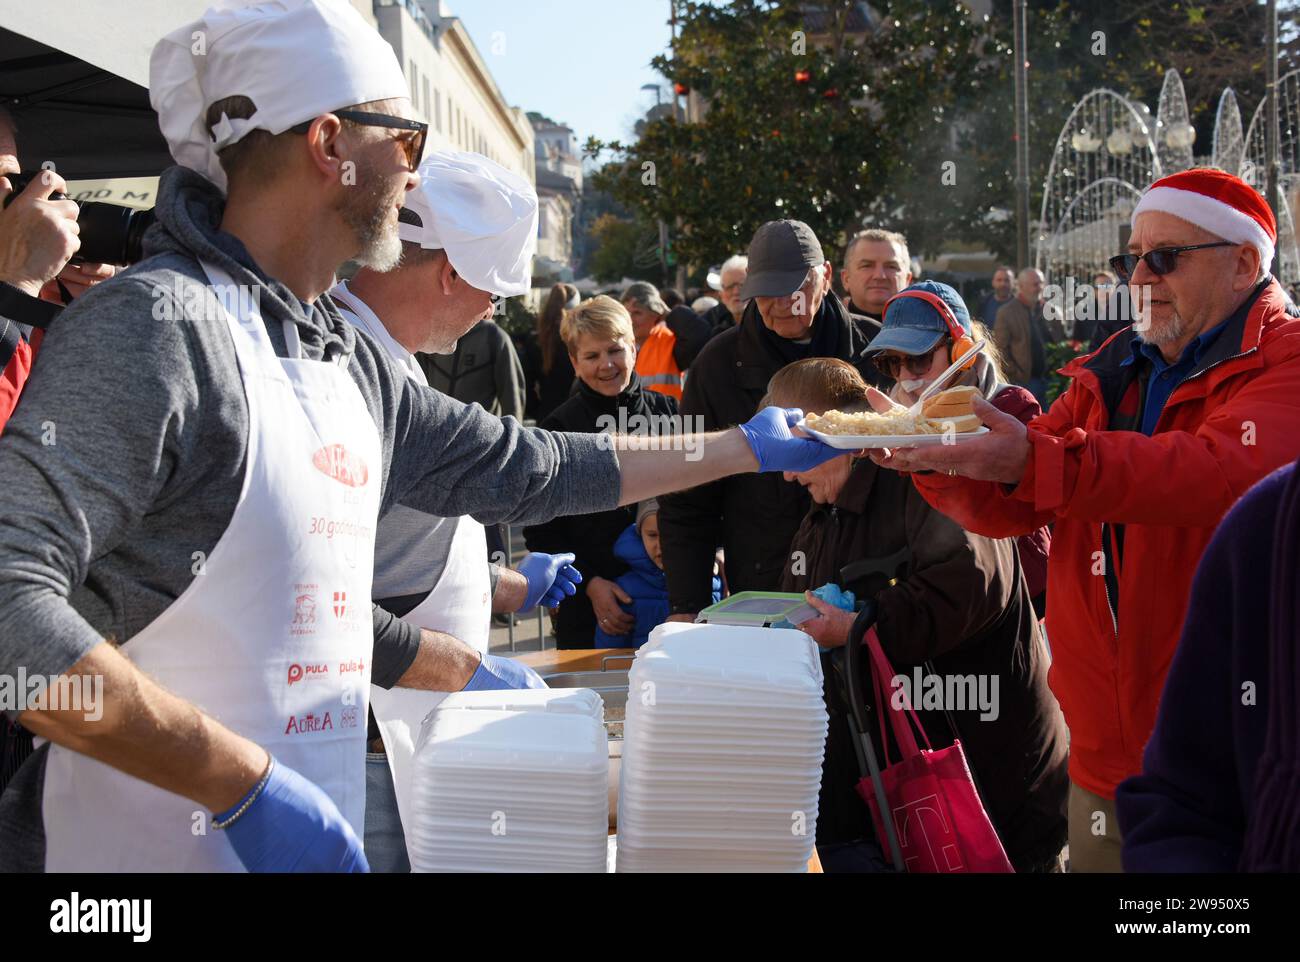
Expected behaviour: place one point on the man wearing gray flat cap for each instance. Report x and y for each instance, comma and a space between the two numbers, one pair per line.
791, 313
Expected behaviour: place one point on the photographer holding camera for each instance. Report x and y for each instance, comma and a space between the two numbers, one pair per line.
38, 237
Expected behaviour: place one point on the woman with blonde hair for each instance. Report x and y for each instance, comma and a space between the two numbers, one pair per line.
951, 606
921, 331
601, 346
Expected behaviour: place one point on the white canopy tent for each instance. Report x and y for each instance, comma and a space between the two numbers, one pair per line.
74, 74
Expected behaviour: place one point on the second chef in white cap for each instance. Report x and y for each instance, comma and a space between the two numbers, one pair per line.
468, 234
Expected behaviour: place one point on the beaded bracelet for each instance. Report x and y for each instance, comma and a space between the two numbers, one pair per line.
249, 799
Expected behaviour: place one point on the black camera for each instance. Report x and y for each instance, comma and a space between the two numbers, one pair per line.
110, 233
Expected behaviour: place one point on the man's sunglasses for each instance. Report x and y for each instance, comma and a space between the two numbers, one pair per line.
1162, 260
891, 365
412, 143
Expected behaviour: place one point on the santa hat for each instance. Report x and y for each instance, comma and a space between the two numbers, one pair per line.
1218, 202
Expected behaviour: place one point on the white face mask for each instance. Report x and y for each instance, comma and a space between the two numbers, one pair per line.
911, 386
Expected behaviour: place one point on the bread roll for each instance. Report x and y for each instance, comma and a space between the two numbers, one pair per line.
962, 424
954, 402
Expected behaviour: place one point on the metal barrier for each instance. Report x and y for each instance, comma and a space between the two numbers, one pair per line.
541, 624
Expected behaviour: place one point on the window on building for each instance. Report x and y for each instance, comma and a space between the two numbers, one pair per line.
437, 110
413, 81
428, 108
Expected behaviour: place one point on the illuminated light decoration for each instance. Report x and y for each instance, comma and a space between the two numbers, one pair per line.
1085, 141
1253, 167
681, 89
831, 94
1174, 132
1181, 136
1096, 173
802, 76
1229, 139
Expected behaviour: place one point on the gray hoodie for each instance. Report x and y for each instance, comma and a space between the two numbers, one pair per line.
122, 464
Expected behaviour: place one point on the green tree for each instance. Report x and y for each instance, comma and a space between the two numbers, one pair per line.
910, 126
622, 248
804, 120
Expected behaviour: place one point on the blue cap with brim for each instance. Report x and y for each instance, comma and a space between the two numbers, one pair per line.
911, 326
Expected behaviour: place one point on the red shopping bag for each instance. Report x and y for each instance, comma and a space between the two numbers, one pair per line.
938, 818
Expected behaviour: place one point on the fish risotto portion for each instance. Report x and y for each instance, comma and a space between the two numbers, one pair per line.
899, 423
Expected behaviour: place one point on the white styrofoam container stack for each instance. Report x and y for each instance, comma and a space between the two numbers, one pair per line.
722, 752
511, 781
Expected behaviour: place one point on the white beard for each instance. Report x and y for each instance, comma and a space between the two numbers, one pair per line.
1172, 334
383, 252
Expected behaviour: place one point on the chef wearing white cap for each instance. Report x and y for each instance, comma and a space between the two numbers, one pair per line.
468, 234
197, 544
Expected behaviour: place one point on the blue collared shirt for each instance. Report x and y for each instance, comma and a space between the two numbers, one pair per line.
1165, 376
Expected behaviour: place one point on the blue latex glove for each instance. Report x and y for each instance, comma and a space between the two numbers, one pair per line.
833, 594
551, 579
497, 673
769, 437
293, 826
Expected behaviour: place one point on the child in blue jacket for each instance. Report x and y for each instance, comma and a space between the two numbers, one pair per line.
643, 590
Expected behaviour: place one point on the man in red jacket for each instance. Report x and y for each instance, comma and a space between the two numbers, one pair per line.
1160, 431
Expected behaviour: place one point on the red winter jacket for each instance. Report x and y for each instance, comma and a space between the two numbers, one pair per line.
16, 356
1036, 546
1232, 421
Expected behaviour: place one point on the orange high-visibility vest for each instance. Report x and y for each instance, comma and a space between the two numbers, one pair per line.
655, 365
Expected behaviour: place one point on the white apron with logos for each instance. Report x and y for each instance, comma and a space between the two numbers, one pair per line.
273, 638
459, 605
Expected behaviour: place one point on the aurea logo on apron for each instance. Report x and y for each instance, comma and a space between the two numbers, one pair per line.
310, 722
337, 462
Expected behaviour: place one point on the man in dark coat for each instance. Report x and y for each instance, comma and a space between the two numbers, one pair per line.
792, 314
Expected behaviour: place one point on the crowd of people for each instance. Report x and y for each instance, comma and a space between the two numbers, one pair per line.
279, 514
1069, 537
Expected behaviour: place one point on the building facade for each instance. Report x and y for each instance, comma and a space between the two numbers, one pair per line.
558, 161
451, 87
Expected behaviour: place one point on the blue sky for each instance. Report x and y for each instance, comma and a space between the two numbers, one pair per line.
580, 62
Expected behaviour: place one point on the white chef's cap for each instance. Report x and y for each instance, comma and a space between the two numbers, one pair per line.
482, 215
295, 59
